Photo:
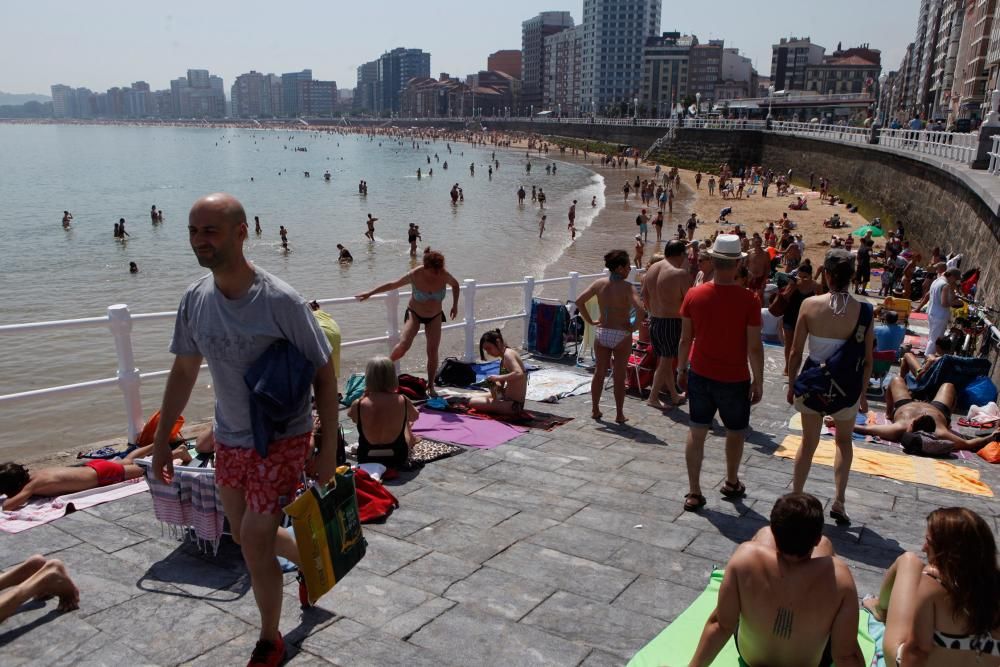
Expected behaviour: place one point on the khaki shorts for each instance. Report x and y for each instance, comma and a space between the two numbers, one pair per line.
843, 415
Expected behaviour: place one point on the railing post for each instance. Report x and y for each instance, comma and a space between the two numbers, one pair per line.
470, 319
392, 320
574, 286
529, 294
120, 323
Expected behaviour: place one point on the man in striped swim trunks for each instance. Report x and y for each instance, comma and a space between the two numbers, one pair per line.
663, 290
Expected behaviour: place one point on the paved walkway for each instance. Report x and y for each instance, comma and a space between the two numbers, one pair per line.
568, 547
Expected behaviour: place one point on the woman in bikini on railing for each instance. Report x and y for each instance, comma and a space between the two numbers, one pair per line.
617, 299
429, 286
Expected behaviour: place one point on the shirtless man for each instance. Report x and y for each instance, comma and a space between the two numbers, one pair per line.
759, 265
640, 248
919, 423
67, 218
520, 195
571, 214
19, 485
663, 290
789, 604
371, 228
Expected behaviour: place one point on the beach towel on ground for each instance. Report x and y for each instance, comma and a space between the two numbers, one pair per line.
526, 418
551, 384
464, 430
428, 450
40, 511
675, 646
903, 467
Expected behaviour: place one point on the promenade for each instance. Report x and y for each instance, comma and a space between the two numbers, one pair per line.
567, 547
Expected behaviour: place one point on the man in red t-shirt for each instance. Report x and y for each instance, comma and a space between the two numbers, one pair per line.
723, 320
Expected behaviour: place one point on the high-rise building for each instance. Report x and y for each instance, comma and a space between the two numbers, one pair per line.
705, 70
534, 31
563, 53
975, 70
63, 101
317, 99
665, 67
789, 59
199, 78
507, 61
248, 95
290, 91
364, 92
139, 101
614, 34
946, 56
395, 68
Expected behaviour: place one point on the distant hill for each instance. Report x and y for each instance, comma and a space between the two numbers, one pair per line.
21, 98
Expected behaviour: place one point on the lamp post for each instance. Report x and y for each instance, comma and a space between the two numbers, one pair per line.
635, 107
697, 109
770, 98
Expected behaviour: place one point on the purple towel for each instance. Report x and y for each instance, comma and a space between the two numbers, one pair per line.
464, 430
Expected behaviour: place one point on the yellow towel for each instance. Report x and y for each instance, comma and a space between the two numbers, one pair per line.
903, 467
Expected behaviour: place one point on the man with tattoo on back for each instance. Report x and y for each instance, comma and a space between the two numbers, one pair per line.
789, 601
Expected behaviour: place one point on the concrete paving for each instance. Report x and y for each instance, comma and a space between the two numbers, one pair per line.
568, 547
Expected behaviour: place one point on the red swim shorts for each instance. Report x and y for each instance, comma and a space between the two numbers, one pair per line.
108, 472
268, 484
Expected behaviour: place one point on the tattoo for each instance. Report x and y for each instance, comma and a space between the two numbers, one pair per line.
783, 623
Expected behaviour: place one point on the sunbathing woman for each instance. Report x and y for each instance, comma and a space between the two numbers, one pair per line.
617, 299
19, 485
508, 388
429, 285
384, 417
944, 612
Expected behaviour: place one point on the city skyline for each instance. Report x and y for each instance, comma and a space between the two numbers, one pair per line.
143, 43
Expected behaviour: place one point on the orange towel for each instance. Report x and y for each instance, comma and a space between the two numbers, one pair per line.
903, 467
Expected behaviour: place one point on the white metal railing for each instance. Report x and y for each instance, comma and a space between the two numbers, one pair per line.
119, 320
955, 146
994, 166
841, 133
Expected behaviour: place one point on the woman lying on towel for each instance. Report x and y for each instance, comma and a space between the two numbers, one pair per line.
508, 388
19, 485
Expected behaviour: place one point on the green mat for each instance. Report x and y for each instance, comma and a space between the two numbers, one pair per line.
675, 646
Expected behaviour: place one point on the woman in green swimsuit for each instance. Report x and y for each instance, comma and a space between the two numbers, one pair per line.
429, 285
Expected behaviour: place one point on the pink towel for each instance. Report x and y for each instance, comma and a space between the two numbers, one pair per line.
39, 511
464, 430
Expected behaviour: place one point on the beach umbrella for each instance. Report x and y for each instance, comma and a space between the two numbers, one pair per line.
861, 231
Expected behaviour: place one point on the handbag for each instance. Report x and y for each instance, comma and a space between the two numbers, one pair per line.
327, 532
780, 303
990, 452
836, 383
455, 373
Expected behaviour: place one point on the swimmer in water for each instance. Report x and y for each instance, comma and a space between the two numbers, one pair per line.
345, 255
133, 267
283, 233
67, 218
256, 225
371, 228
593, 201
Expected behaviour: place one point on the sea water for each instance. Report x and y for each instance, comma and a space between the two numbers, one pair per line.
103, 173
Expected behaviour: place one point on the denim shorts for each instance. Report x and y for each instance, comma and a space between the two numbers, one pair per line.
730, 399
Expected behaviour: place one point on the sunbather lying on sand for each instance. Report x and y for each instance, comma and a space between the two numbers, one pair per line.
19, 485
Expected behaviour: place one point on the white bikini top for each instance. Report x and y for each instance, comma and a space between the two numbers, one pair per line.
822, 348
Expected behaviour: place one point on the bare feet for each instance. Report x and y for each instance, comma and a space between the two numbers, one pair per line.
53, 579
870, 602
621, 418
431, 391
656, 403
596, 414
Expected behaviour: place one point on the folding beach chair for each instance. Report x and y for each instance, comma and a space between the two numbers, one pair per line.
882, 361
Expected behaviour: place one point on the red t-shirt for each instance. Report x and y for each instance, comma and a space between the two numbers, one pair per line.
720, 315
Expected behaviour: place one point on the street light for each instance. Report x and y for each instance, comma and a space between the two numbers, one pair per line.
770, 98
697, 97
635, 107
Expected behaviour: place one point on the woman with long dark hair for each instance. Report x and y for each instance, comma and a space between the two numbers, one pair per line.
945, 613
429, 285
510, 385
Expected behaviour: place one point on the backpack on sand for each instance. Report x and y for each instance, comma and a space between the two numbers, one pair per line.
836, 383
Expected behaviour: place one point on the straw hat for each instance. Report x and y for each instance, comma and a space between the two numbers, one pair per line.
727, 246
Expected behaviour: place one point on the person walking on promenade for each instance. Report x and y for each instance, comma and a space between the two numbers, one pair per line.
939, 304
723, 321
663, 290
231, 318
840, 334
616, 298
429, 285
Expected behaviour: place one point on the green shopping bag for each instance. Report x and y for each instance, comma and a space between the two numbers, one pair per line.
327, 532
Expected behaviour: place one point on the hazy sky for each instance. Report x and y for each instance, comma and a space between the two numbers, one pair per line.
104, 43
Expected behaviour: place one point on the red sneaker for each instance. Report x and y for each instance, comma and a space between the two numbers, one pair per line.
268, 653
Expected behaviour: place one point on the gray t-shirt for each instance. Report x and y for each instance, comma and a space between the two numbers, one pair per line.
232, 333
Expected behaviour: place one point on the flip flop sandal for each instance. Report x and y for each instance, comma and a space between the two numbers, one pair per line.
694, 502
873, 612
737, 491
840, 517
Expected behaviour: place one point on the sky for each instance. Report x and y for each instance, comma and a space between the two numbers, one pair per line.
103, 43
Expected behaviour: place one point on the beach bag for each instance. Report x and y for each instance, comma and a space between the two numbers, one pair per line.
455, 373
780, 303
638, 220
412, 387
990, 453
375, 502
354, 389
149, 430
836, 384
979, 392
327, 532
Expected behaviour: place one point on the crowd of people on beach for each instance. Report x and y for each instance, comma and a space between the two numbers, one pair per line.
705, 307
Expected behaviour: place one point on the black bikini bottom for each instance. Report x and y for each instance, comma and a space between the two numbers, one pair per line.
423, 320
